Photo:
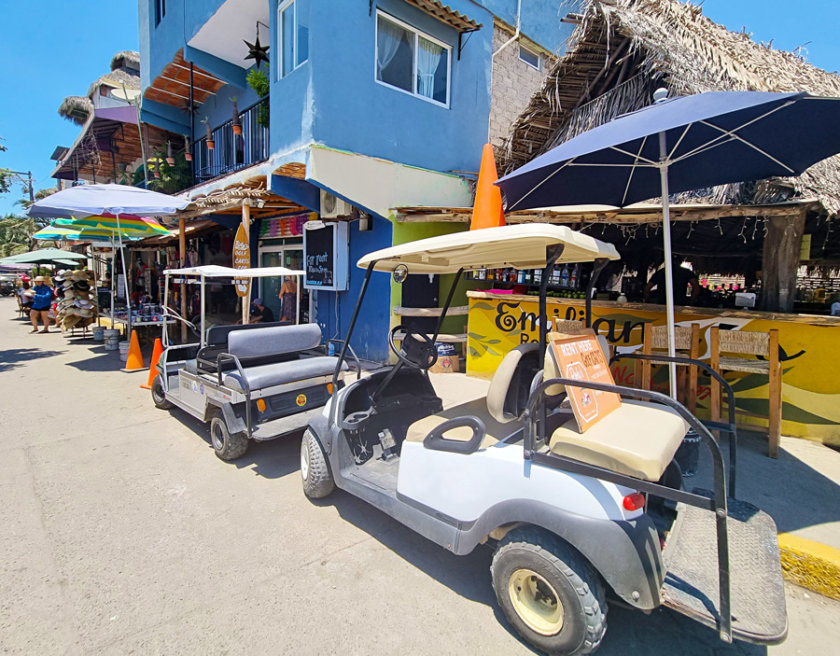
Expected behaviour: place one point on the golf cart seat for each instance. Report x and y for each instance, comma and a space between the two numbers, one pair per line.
499, 412
281, 343
217, 342
638, 439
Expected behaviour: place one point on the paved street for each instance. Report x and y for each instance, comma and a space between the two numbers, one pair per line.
123, 533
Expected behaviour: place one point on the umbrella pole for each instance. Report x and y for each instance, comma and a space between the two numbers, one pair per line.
125, 281
669, 274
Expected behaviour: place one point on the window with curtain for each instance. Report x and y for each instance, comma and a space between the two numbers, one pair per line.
292, 35
411, 61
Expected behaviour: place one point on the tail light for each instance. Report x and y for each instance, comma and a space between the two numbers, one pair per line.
634, 501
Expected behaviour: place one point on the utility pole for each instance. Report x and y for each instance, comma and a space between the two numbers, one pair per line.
28, 181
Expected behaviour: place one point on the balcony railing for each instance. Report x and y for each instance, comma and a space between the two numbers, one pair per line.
233, 152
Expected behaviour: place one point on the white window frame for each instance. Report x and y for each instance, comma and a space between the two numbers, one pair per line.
417, 33
282, 7
531, 51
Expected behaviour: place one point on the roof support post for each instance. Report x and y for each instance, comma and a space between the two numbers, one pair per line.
246, 226
182, 249
780, 260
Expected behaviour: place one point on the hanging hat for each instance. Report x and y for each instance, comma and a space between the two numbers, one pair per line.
82, 285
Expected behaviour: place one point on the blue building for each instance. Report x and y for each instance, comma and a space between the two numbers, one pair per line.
370, 106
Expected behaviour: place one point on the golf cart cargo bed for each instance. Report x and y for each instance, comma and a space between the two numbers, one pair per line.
757, 590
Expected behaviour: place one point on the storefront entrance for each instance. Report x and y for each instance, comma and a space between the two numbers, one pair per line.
291, 257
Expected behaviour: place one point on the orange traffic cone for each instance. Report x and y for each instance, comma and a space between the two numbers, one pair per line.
156, 353
134, 362
487, 211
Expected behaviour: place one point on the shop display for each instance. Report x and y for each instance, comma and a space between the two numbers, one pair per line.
77, 307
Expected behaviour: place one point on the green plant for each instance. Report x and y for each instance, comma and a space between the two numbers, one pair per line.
258, 80
169, 178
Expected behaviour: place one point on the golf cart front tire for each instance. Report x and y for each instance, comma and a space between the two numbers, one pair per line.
158, 395
228, 446
314, 468
534, 572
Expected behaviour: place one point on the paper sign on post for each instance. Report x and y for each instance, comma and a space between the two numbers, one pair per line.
580, 357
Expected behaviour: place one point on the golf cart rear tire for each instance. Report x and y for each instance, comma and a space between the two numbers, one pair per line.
158, 395
576, 585
228, 446
314, 468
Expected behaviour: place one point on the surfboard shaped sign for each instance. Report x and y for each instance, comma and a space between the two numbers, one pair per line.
241, 260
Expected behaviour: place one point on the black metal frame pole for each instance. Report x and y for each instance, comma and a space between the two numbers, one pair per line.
352, 325
597, 266
448, 303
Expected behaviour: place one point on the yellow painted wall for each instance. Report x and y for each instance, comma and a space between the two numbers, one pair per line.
810, 355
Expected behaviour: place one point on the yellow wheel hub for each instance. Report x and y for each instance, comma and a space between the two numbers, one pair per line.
536, 602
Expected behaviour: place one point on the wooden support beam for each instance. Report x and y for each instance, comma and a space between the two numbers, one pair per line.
780, 260
182, 247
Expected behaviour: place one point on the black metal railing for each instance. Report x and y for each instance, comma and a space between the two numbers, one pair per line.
233, 152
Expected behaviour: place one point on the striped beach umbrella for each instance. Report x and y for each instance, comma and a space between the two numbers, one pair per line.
127, 223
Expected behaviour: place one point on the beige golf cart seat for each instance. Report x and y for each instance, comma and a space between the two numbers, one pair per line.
638, 439
500, 411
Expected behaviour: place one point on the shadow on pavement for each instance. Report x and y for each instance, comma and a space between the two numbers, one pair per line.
271, 459
102, 361
11, 358
792, 492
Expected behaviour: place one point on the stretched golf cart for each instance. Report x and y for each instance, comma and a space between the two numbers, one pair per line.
250, 382
565, 509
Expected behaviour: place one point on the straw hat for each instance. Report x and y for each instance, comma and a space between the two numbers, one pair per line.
39, 279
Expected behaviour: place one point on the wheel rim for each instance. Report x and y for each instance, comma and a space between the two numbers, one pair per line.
157, 391
217, 435
536, 602
304, 460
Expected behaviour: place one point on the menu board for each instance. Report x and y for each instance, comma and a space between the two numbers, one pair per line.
580, 357
325, 255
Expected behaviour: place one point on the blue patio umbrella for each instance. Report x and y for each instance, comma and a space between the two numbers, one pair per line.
679, 144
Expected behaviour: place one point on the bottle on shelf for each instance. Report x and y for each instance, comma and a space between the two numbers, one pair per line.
564, 277
573, 280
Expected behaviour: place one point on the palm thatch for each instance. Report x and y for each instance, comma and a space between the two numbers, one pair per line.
76, 109
126, 59
623, 50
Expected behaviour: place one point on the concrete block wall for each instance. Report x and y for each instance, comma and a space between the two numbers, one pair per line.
514, 82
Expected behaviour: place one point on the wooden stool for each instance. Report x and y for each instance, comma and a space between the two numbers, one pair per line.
739, 343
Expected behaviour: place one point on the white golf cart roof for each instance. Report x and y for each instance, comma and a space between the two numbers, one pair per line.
216, 271
520, 246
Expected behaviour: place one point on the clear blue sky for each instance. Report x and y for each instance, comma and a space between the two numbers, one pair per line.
50, 49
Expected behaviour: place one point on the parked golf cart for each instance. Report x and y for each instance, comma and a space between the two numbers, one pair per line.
250, 382
565, 509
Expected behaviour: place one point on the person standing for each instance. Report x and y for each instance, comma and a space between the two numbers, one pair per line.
288, 300
41, 302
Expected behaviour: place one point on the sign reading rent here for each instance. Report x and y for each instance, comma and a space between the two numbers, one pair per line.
581, 358
241, 260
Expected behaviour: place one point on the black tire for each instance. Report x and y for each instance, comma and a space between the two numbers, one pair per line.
228, 446
158, 395
544, 573
314, 468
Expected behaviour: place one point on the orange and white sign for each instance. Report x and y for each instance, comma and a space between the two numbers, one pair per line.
580, 357
241, 260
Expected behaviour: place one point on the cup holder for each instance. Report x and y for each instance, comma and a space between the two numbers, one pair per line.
355, 419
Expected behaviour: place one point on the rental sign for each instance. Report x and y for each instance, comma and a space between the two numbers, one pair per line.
241, 260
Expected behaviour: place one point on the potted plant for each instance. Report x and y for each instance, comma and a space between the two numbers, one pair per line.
187, 149
237, 126
169, 159
211, 145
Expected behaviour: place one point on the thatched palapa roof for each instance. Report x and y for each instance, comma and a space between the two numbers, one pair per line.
125, 72
622, 50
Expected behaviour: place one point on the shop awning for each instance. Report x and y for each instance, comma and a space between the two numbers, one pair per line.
446, 14
639, 213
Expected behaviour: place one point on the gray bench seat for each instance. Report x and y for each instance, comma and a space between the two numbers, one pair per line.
280, 373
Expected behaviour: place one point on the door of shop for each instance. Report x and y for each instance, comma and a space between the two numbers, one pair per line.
291, 257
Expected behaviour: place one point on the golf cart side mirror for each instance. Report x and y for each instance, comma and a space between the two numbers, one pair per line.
400, 273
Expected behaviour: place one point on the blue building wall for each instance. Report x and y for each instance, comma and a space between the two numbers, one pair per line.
540, 19
370, 337
352, 111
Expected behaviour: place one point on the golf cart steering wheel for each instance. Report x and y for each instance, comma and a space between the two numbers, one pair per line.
417, 349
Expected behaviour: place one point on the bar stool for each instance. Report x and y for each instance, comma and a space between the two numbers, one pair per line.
739, 343
686, 344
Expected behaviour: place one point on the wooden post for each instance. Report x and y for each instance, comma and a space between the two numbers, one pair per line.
182, 247
780, 260
246, 225
714, 363
694, 354
774, 414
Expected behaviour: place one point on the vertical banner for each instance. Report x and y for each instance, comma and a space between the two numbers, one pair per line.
241, 260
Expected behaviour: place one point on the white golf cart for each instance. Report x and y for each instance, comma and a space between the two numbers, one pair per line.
566, 509
251, 382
